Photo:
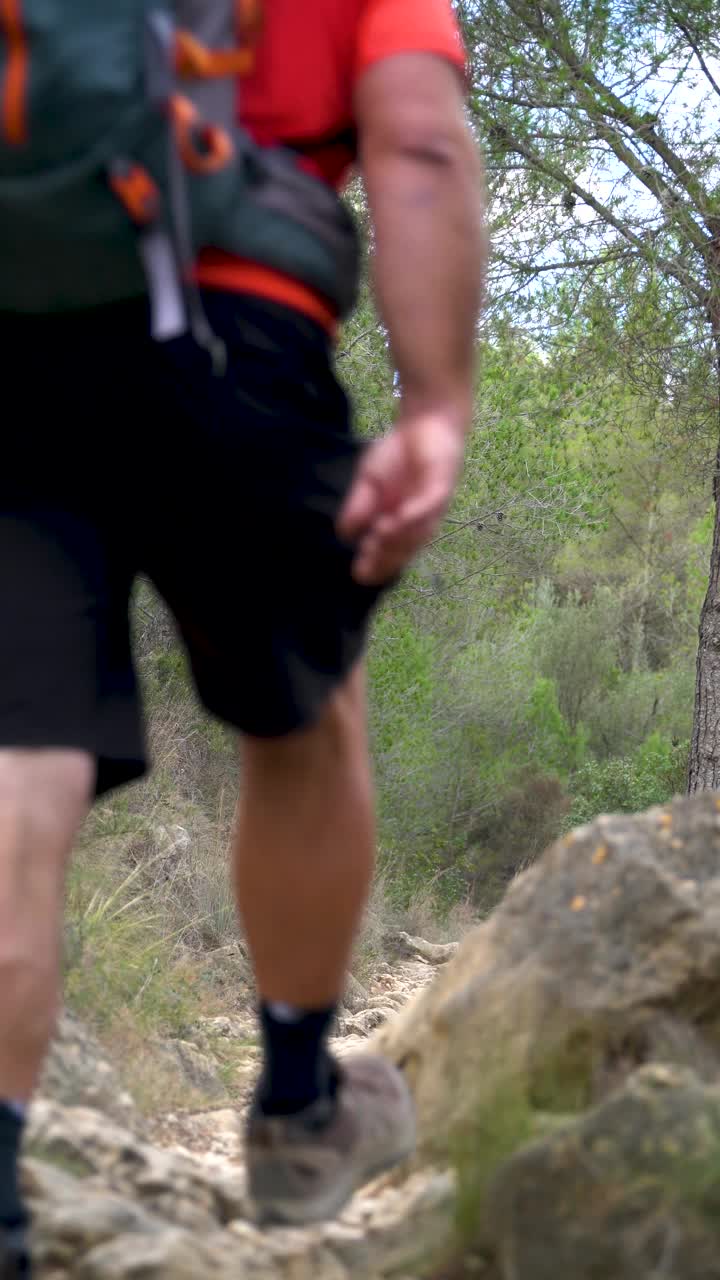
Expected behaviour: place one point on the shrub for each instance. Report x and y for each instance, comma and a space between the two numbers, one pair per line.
652, 775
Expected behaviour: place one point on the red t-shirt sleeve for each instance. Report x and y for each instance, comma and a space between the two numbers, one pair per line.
388, 27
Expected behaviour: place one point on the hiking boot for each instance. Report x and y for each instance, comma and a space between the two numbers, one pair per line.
14, 1254
304, 1168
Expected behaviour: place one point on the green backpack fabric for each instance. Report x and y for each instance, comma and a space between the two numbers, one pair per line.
121, 158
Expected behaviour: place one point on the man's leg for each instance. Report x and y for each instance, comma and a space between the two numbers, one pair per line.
44, 795
304, 851
303, 861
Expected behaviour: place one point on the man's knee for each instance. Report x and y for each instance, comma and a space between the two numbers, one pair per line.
340, 725
338, 732
28, 967
44, 796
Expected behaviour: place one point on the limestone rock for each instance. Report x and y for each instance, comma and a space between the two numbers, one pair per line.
235, 1027
432, 952
123, 1210
367, 1020
355, 996
198, 1068
387, 1000
346, 1045
216, 1136
629, 1191
229, 971
110, 1205
566, 1059
78, 1073
86, 1144
163, 1254
70, 1223
603, 956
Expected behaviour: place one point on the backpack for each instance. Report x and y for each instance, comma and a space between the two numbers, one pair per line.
121, 158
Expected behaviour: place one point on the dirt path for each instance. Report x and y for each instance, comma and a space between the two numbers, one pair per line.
214, 1134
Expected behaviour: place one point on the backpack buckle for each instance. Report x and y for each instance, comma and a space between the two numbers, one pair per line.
204, 148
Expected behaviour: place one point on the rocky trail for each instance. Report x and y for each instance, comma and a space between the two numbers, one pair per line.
215, 1134
116, 1196
565, 1063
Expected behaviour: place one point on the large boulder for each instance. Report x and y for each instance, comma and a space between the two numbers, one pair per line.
567, 1060
602, 957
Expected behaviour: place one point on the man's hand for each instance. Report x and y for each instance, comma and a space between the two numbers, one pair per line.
401, 491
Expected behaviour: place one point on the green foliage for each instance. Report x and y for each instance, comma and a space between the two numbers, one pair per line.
506, 705
577, 648
562, 750
401, 674
505, 1123
597, 118
652, 775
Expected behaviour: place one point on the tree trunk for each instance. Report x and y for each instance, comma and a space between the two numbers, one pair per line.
704, 763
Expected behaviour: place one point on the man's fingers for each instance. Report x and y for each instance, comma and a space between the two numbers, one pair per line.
420, 508
398, 497
375, 480
391, 544
395, 538
360, 507
376, 562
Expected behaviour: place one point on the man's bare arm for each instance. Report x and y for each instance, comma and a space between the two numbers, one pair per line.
423, 178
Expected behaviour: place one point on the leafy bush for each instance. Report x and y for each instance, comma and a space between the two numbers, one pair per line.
558, 747
651, 776
576, 644
638, 703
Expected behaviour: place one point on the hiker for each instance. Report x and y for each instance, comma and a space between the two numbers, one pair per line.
196, 433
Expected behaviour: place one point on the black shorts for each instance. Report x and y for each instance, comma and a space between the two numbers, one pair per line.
119, 457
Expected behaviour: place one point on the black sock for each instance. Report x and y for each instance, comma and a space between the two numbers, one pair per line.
12, 1213
298, 1068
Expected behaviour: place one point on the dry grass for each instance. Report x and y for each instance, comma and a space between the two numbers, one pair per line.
186, 869
155, 1083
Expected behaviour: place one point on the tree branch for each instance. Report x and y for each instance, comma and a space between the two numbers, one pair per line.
358, 338
569, 264
602, 101
540, 164
654, 182
692, 41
